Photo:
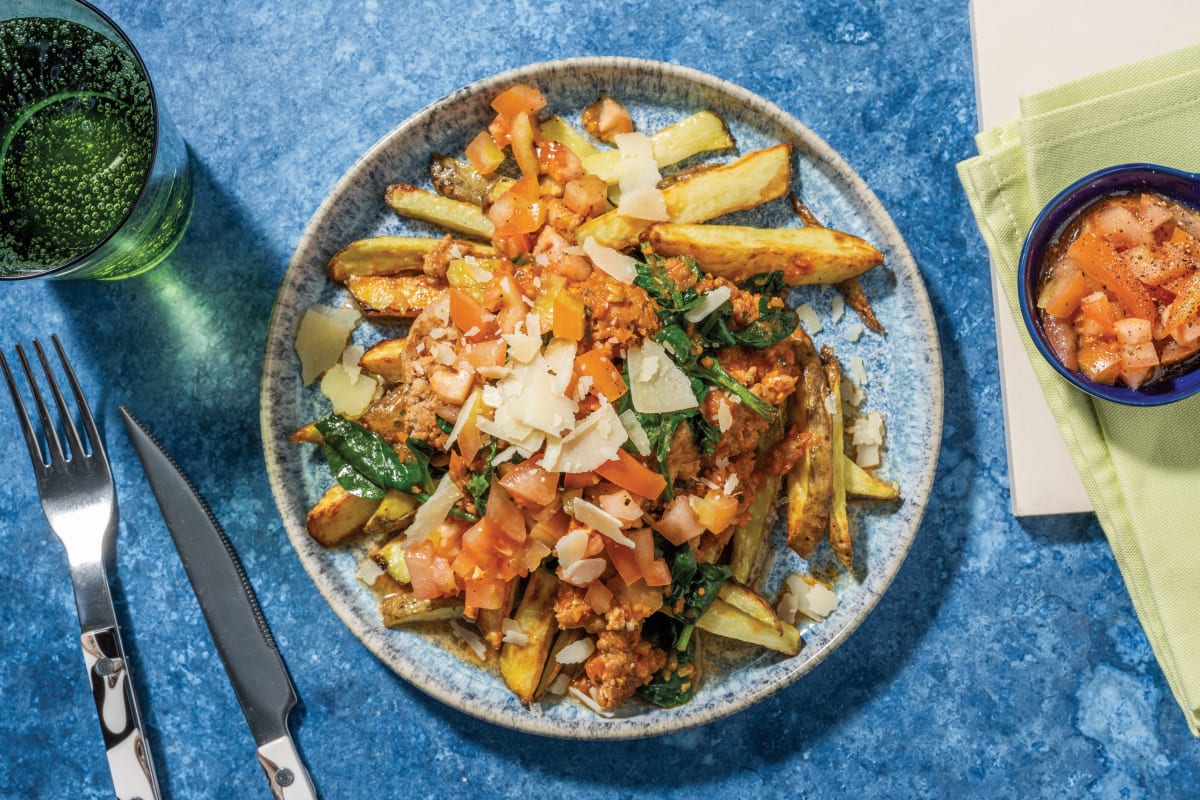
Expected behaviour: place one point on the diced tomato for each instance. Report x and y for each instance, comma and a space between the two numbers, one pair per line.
1119, 227
1100, 260
533, 553
586, 195
657, 573
513, 245
715, 511
629, 473
499, 129
558, 161
489, 353
465, 313
1186, 303
570, 319
1060, 295
679, 523
504, 514
1100, 359
624, 559
519, 99
486, 593
1063, 339
598, 597
530, 484
548, 531
579, 480
430, 574
606, 378
484, 154
1097, 307
515, 213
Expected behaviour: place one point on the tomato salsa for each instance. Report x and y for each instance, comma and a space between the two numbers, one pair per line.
1119, 291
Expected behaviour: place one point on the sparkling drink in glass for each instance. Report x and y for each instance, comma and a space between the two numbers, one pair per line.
94, 179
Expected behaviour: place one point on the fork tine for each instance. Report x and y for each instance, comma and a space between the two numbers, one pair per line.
48, 429
95, 443
35, 450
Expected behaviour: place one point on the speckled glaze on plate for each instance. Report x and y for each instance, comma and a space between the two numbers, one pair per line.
904, 370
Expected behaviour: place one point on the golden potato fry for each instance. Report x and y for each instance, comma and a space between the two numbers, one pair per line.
748, 601
393, 297
307, 435
862, 485
804, 255
339, 515
701, 132
745, 546
857, 299
522, 666
392, 255
385, 359
557, 129
810, 481
401, 608
839, 524
553, 668
454, 215
390, 558
723, 619
394, 512
752, 180
458, 180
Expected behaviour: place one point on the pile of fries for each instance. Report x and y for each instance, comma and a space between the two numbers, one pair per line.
497, 207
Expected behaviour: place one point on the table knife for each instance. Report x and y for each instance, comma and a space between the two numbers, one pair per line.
234, 619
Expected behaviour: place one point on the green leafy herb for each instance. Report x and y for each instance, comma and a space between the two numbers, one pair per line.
366, 465
672, 300
480, 482
694, 587
675, 684
445, 425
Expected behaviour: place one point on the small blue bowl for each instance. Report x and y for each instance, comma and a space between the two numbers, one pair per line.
1183, 187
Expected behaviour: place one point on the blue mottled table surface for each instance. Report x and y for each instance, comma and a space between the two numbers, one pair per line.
1004, 661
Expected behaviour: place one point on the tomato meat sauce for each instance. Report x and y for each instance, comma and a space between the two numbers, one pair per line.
1119, 292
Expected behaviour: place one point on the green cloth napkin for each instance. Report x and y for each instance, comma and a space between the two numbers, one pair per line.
1140, 466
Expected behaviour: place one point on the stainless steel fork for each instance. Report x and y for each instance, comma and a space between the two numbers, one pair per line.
80, 502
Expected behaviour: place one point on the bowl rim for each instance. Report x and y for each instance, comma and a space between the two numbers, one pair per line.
1048, 225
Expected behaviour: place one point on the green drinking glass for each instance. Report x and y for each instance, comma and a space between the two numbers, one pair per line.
94, 179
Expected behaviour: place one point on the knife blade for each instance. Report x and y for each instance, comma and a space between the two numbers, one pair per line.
239, 631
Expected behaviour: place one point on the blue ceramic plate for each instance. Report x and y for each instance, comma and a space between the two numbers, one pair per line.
904, 369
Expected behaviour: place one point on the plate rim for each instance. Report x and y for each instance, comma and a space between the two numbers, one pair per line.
644, 725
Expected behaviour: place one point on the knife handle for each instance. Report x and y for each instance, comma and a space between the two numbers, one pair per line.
129, 758
285, 771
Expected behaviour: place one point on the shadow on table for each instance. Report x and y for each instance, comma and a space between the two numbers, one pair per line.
815, 707
178, 340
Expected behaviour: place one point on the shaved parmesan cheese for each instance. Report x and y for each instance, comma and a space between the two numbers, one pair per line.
433, 511
600, 521
656, 384
813, 599
513, 633
588, 701
809, 319
472, 406
837, 308
351, 392
322, 337
617, 265
645, 203
571, 547
559, 685
854, 333
369, 571
709, 303
560, 361
857, 371
576, 652
637, 434
350, 358
522, 347
470, 638
594, 441
533, 324
867, 456
583, 572
724, 415
637, 179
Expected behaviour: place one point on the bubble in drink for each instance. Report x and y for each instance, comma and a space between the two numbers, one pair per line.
76, 141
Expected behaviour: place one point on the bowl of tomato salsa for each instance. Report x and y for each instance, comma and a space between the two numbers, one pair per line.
1109, 284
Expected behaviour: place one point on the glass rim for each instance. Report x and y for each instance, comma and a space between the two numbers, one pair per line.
73, 265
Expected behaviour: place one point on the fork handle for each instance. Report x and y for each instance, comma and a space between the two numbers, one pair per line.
129, 758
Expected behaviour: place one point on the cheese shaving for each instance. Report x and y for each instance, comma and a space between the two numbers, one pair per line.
617, 265
432, 512
576, 652
809, 319
709, 303
600, 521
657, 385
